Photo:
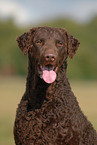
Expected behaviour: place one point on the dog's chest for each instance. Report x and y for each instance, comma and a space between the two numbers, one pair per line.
48, 122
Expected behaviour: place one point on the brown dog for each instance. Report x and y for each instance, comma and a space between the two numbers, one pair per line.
48, 113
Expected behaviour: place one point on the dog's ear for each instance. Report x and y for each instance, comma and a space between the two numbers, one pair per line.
22, 42
72, 44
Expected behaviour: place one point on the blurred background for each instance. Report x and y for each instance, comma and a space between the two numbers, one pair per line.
18, 16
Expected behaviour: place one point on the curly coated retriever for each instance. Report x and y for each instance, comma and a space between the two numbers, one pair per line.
48, 113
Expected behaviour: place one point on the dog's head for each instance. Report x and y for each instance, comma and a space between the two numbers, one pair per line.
49, 47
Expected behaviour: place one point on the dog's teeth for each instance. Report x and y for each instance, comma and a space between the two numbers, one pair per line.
41, 66
56, 69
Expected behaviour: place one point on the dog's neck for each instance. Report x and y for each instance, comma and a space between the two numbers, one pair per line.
36, 88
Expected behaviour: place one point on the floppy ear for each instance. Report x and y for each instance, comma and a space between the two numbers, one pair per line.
72, 45
22, 42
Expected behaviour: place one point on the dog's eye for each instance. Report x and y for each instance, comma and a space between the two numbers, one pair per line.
39, 42
59, 43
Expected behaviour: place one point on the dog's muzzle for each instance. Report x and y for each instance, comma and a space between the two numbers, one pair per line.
47, 72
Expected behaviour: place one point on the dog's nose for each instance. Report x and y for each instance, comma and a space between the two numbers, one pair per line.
50, 57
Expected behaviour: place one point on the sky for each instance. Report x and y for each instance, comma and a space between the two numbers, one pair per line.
26, 12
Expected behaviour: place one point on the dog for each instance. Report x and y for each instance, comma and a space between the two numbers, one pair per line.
48, 113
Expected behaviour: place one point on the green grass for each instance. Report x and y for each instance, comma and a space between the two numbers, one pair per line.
12, 89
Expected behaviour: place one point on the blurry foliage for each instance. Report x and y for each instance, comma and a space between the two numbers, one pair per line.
83, 65
11, 59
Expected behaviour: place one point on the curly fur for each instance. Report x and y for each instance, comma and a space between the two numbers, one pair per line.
49, 114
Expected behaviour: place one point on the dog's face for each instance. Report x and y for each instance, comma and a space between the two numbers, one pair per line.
49, 47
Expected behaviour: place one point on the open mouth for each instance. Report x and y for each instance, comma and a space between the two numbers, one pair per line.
47, 72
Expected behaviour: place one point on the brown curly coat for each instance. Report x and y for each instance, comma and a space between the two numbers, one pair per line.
49, 114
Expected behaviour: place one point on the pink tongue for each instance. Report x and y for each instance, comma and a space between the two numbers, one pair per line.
49, 76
